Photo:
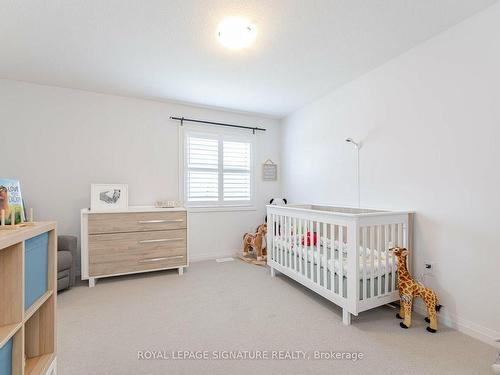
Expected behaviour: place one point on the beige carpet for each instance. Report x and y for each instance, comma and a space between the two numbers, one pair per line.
237, 306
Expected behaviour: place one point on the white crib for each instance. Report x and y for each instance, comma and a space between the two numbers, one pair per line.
322, 246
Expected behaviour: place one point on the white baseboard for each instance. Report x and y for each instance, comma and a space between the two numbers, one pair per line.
465, 326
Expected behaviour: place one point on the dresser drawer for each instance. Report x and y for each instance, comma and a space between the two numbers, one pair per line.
135, 222
131, 252
148, 263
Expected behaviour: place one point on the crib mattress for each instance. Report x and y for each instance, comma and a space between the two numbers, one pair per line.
375, 263
379, 287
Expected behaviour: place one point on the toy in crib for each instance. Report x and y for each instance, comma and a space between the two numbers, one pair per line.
308, 236
409, 289
257, 242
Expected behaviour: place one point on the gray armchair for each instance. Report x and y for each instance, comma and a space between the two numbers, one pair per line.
66, 255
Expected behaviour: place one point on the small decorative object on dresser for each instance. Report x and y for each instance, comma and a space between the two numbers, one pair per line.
134, 240
108, 197
166, 204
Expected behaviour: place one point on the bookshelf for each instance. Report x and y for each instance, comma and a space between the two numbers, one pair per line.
27, 333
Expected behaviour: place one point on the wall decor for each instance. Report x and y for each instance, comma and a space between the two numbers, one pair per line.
269, 171
108, 197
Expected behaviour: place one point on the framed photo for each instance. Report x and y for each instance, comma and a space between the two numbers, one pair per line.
108, 197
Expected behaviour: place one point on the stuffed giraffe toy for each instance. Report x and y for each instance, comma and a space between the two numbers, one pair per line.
409, 289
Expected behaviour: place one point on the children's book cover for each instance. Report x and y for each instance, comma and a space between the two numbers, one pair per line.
11, 200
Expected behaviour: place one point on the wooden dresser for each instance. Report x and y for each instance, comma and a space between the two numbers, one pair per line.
139, 239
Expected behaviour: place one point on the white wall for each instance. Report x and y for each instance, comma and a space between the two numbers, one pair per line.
59, 141
430, 124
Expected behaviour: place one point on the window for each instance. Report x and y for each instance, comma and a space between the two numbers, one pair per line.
218, 169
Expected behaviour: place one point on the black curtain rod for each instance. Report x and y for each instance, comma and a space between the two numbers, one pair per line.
182, 119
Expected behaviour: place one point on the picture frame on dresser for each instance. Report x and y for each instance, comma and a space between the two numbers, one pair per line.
133, 240
108, 197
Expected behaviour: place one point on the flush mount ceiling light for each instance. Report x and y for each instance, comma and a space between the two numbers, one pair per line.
236, 32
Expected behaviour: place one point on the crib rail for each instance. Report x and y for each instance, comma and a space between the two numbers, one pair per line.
324, 249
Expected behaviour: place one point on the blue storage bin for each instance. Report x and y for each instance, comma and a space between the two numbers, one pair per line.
36, 263
6, 359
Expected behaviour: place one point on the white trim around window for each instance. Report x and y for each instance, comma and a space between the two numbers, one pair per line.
217, 169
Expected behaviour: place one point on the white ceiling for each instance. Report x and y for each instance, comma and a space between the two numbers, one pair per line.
167, 50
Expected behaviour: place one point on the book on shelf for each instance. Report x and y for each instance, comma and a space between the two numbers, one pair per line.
11, 200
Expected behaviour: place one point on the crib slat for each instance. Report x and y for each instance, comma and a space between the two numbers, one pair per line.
285, 238
400, 235
286, 244
273, 237
275, 229
289, 242
318, 248
365, 243
282, 236
393, 238
304, 248
360, 261
311, 250
283, 241
282, 220
310, 247
325, 253
379, 263
307, 264
372, 261
293, 247
341, 260
297, 243
405, 236
387, 255
290, 234
332, 257
299, 246
276, 238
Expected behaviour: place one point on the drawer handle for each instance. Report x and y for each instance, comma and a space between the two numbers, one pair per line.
162, 240
152, 260
160, 221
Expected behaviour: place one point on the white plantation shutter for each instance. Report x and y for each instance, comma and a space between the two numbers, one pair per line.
237, 164
218, 169
202, 169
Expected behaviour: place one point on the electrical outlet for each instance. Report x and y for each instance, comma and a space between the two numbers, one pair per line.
429, 268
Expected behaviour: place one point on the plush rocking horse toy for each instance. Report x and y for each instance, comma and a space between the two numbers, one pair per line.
256, 241
409, 289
